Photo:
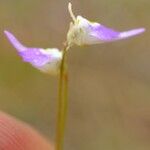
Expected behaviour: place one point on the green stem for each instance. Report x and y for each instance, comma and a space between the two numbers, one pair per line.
62, 102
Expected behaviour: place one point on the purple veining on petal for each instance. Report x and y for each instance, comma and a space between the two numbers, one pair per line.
107, 34
35, 56
14, 41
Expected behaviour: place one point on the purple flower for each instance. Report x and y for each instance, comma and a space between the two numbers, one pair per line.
46, 60
84, 32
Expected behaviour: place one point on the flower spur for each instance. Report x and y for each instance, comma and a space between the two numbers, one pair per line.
84, 32
46, 60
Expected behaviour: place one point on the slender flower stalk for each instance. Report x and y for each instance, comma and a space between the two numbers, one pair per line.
62, 101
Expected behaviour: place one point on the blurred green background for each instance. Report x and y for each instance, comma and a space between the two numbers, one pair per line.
109, 89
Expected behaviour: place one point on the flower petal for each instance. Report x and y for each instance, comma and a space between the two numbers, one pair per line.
105, 34
47, 60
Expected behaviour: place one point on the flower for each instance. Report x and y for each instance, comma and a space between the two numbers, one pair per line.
84, 32
46, 60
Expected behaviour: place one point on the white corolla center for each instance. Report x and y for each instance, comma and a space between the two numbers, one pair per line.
80, 30
53, 66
